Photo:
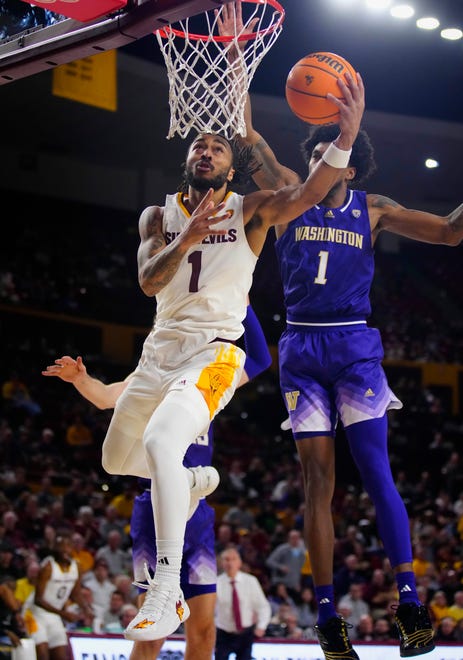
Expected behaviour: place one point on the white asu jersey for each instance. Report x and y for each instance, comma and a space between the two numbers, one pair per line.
61, 583
207, 295
44, 626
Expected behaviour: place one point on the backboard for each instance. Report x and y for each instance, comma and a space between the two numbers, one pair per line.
60, 39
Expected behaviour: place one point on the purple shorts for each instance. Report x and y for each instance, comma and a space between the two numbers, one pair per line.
332, 373
199, 568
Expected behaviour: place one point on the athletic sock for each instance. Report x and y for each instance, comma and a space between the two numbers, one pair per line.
169, 561
325, 600
406, 584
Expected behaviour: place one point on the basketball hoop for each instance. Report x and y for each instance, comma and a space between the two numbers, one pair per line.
206, 92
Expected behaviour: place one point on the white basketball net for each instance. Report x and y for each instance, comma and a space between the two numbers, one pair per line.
206, 92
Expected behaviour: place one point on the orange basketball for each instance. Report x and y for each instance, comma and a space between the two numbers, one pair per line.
308, 83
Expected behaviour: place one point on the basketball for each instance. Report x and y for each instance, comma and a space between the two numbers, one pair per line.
308, 83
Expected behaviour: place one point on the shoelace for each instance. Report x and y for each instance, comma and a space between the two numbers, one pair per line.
156, 601
149, 579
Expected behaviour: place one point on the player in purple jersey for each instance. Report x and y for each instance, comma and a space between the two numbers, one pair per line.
330, 365
199, 569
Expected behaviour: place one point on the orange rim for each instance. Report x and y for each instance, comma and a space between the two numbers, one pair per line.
166, 31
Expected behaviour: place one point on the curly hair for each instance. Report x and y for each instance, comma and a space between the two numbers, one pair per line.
362, 157
243, 162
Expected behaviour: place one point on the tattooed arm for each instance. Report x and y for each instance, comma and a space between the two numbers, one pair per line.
271, 174
388, 215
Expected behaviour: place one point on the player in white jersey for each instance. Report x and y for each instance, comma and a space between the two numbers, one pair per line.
58, 581
197, 254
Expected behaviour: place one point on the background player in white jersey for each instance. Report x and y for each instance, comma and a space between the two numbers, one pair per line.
58, 581
330, 364
198, 574
197, 255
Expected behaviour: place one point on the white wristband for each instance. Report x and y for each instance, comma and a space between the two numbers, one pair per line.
336, 157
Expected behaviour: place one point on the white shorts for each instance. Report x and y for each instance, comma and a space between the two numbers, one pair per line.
201, 382
50, 628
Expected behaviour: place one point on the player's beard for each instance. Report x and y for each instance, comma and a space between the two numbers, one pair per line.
202, 184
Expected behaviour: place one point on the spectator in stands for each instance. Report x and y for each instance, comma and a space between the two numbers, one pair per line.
112, 614
439, 607
421, 564
78, 434
12, 533
56, 517
25, 586
354, 603
240, 516
124, 584
127, 612
11, 620
278, 596
81, 554
225, 537
286, 561
306, 608
446, 630
118, 559
292, 628
86, 524
99, 582
10, 562
379, 592
382, 630
455, 610
110, 521
277, 623
74, 496
236, 478
266, 517
17, 396
16, 487
348, 574
123, 502
364, 630
254, 477
88, 619
45, 494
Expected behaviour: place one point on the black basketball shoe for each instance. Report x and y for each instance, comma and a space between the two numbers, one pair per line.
415, 629
334, 640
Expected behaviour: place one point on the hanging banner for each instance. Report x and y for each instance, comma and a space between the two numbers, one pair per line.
92, 80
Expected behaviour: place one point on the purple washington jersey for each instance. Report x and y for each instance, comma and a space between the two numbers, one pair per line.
199, 569
330, 360
326, 263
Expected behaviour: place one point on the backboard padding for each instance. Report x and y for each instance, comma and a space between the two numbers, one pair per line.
44, 48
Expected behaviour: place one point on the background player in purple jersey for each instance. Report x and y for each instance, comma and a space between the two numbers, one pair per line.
330, 365
199, 570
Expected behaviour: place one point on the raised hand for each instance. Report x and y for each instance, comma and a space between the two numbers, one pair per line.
204, 218
351, 108
66, 368
230, 21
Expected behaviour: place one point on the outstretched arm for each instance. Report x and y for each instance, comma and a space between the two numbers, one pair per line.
270, 174
388, 215
74, 371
